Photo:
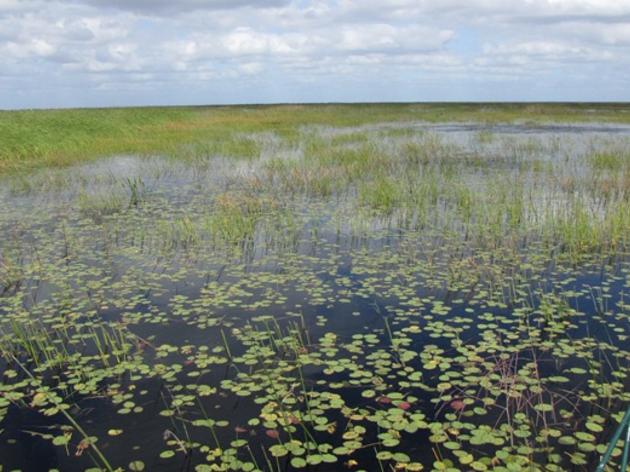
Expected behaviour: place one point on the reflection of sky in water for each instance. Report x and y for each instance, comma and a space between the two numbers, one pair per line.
540, 142
483, 153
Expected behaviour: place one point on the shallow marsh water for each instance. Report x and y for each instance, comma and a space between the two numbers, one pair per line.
385, 297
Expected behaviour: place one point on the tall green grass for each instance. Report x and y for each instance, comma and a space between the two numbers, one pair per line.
41, 138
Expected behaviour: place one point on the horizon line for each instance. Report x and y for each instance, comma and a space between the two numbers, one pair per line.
330, 103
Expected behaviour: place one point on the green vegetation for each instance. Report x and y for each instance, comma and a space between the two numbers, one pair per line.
315, 288
33, 139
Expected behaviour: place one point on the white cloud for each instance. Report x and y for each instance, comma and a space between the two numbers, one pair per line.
388, 37
246, 41
240, 50
547, 51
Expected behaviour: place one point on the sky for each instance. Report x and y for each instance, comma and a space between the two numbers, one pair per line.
84, 53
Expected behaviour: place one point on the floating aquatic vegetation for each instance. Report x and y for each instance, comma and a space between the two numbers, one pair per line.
384, 297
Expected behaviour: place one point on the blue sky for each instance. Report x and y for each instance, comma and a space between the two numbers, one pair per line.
167, 52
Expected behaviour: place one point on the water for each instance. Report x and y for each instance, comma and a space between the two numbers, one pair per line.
392, 319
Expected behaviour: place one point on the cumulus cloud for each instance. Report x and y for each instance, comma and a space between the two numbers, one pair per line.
203, 51
548, 51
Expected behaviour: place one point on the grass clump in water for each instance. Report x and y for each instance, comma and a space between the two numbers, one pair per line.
610, 161
235, 216
383, 194
101, 205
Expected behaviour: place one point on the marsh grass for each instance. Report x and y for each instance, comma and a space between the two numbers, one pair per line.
45, 347
235, 216
610, 161
11, 271
383, 194
100, 205
52, 138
